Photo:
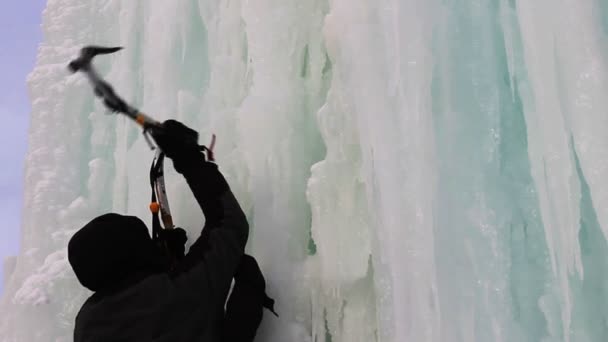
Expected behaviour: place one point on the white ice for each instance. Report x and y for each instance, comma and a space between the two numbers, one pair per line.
412, 170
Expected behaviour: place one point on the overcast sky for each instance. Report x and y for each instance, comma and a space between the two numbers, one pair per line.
19, 37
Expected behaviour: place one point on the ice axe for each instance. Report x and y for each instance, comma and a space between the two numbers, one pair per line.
104, 90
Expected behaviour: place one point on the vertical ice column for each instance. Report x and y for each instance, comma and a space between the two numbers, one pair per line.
278, 141
380, 166
568, 72
489, 247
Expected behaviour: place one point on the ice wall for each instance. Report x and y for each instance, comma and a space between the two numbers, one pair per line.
413, 170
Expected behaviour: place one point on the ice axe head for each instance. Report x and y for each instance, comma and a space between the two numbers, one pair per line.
87, 54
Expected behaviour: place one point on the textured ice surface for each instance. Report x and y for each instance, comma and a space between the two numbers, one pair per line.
413, 170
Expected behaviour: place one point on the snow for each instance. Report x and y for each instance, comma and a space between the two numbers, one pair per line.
412, 170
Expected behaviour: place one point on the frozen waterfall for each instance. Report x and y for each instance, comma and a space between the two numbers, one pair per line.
412, 170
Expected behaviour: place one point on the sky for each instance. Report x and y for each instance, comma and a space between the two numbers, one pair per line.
20, 35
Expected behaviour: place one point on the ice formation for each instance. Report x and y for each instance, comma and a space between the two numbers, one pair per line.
413, 170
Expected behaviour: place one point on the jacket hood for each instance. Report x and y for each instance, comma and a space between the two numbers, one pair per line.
112, 248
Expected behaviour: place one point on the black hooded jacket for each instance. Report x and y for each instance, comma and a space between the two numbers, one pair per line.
135, 298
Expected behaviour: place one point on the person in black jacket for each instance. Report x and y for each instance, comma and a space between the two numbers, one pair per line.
138, 297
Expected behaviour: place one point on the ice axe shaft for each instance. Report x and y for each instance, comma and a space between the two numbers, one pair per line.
104, 90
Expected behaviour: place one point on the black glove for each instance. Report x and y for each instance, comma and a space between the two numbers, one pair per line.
177, 141
175, 241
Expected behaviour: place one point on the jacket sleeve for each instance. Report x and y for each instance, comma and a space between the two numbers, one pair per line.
211, 262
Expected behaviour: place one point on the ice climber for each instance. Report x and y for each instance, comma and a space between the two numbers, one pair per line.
138, 296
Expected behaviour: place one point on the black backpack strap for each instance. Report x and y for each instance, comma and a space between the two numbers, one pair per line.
250, 275
269, 304
245, 306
